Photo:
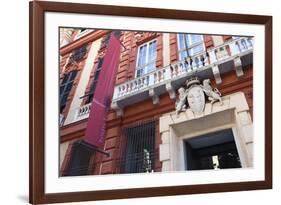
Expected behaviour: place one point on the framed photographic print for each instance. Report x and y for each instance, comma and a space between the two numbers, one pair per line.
137, 102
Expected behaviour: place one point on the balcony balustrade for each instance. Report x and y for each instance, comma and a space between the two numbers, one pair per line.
83, 112
211, 63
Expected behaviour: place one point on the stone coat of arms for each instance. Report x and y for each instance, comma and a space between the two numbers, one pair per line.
194, 95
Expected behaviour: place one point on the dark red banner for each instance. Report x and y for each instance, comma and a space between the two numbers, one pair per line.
95, 131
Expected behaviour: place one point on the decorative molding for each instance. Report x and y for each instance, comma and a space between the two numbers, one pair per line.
216, 73
238, 66
170, 89
232, 114
155, 98
117, 108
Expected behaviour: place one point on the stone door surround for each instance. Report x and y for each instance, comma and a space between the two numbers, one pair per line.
234, 114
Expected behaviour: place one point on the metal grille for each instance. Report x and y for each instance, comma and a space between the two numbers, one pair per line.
78, 164
139, 150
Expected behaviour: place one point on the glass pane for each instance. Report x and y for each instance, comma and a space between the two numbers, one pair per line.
68, 87
142, 55
152, 52
151, 67
181, 41
197, 49
63, 99
140, 72
195, 38
65, 78
183, 54
72, 75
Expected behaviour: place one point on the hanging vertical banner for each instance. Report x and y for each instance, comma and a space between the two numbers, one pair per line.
95, 130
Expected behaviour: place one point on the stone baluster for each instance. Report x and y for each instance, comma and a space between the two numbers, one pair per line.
151, 79
249, 42
212, 56
234, 49
173, 71
182, 67
187, 64
197, 62
168, 73
243, 44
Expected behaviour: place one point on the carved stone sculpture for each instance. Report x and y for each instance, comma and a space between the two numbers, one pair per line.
194, 95
213, 95
181, 102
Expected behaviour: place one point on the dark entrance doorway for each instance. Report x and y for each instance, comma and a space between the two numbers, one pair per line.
212, 151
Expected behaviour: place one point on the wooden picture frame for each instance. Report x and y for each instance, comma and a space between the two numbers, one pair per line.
37, 10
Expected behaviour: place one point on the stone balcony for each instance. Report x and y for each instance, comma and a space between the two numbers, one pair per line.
234, 54
82, 112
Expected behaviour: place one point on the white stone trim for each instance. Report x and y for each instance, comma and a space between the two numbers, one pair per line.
166, 49
82, 84
234, 114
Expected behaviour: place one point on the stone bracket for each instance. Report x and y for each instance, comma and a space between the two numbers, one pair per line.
170, 89
118, 109
216, 73
238, 67
154, 96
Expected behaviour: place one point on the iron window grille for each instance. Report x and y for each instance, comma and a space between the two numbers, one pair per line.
79, 160
138, 150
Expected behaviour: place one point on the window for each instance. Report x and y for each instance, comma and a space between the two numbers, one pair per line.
78, 54
190, 44
139, 153
105, 40
94, 81
65, 88
80, 157
146, 60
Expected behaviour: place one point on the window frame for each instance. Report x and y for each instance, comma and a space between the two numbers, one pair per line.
67, 82
191, 46
90, 94
146, 57
132, 139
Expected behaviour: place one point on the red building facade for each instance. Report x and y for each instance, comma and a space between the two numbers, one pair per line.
151, 68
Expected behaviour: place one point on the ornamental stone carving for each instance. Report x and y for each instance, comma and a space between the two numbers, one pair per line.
194, 95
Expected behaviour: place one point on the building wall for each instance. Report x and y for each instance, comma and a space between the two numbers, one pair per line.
167, 52
83, 81
147, 110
